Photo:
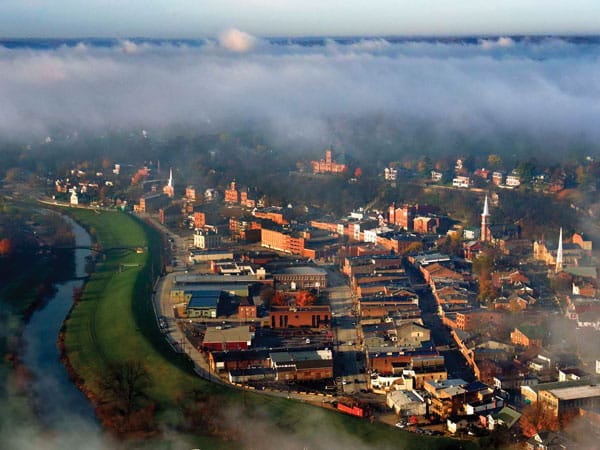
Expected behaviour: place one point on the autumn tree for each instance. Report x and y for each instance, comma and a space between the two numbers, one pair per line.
279, 299
494, 162
535, 418
414, 247
5, 247
305, 298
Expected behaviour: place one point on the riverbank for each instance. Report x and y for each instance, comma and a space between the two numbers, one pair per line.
53, 393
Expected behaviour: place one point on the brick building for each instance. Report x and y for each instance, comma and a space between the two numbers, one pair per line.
285, 241
328, 165
232, 195
310, 316
527, 336
301, 277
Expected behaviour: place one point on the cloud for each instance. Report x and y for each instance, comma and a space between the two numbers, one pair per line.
129, 47
236, 40
546, 90
488, 44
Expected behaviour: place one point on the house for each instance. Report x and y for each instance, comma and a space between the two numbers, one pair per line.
461, 181
206, 239
436, 176
506, 417
513, 180
571, 374
497, 178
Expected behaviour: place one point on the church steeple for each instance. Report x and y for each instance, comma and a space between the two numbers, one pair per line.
559, 253
169, 189
486, 236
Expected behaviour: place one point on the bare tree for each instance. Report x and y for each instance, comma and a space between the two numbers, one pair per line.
125, 385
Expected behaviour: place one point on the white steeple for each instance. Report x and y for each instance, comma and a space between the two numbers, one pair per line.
559, 253
486, 209
170, 178
486, 235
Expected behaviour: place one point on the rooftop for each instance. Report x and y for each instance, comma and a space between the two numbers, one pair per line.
576, 392
235, 334
204, 299
301, 270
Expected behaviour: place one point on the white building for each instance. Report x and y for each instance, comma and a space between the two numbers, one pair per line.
204, 239
461, 181
513, 180
74, 199
390, 173
370, 235
406, 403
436, 176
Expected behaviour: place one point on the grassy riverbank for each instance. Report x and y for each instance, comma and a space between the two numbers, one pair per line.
114, 322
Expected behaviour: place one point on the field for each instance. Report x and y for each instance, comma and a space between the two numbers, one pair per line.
114, 322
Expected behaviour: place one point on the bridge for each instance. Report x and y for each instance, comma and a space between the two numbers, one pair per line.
93, 249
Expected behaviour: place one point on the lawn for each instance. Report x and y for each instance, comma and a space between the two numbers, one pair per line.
115, 322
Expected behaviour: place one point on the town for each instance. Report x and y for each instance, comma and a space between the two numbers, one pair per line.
454, 302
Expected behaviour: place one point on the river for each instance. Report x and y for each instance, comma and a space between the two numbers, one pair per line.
58, 401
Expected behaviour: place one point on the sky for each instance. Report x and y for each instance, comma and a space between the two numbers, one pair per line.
204, 18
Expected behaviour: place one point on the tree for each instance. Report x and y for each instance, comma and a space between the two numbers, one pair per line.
279, 299
494, 162
266, 295
305, 298
414, 247
5, 247
202, 412
126, 384
535, 418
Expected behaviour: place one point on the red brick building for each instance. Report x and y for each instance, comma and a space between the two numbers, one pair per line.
310, 316
246, 309
527, 336
190, 193
468, 321
231, 194
328, 165
199, 219
284, 242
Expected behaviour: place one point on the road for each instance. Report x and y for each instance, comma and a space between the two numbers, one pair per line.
349, 360
456, 365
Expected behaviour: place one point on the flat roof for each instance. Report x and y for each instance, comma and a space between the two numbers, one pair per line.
300, 270
576, 392
213, 279
235, 334
204, 299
